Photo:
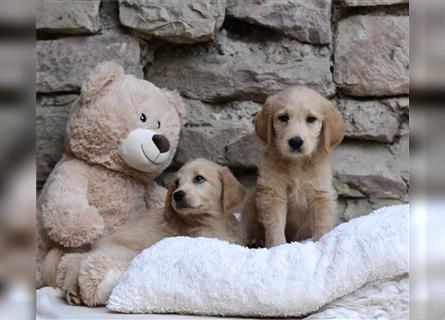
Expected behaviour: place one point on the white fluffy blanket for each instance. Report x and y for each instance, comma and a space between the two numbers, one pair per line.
212, 277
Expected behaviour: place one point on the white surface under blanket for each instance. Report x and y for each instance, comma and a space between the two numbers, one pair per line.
211, 277
384, 299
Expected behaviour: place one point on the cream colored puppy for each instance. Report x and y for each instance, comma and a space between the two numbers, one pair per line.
294, 198
203, 198
200, 202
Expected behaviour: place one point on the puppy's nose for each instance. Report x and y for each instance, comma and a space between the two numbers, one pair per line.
178, 195
161, 142
296, 143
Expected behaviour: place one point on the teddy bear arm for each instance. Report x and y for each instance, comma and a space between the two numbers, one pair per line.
67, 216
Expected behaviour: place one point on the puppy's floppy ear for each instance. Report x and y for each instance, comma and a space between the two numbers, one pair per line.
176, 100
233, 191
333, 126
263, 124
101, 77
169, 212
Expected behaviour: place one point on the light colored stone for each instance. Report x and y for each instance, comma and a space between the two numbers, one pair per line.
235, 112
245, 152
52, 112
345, 190
307, 21
68, 16
364, 3
353, 208
400, 151
63, 64
211, 131
372, 55
207, 142
185, 21
376, 120
251, 68
372, 169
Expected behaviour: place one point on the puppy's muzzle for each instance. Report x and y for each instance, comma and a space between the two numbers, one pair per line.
179, 195
296, 143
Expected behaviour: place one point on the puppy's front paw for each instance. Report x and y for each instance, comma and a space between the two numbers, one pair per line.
275, 241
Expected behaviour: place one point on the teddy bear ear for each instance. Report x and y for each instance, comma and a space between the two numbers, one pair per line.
101, 77
176, 100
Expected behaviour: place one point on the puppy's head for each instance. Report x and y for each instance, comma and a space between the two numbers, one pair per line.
203, 187
298, 121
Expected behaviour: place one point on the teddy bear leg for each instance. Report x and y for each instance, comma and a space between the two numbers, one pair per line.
99, 274
68, 277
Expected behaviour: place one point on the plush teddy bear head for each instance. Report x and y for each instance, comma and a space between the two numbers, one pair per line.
124, 123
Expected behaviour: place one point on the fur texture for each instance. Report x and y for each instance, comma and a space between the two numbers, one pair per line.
294, 199
92, 190
206, 210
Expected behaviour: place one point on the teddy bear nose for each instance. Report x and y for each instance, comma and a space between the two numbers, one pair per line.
161, 142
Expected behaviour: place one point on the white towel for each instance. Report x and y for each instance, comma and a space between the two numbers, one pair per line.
212, 277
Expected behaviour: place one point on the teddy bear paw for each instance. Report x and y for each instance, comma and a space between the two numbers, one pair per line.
72, 296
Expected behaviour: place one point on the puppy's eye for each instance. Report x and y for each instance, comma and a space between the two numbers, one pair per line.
200, 179
159, 124
143, 117
311, 119
284, 118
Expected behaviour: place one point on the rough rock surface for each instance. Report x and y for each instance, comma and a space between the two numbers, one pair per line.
185, 21
353, 208
226, 69
363, 3
68, 16
207, 142
376, 120
205, 114
372, 170
246, 69
63, 64
246, 151
372, 55
217, 127
52, 113
307, 21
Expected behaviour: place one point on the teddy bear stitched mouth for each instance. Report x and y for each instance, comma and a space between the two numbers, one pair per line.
152, 161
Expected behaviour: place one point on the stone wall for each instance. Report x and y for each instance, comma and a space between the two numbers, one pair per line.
225, 58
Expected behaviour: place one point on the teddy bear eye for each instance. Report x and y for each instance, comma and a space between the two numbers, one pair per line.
143, 117
159, 124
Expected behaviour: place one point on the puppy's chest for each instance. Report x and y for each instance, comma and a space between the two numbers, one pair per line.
300, 190
297, 197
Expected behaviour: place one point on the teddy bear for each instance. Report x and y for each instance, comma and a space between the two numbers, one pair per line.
122, 133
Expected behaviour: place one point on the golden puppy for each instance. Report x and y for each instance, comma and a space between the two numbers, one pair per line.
294, 198
203, 198
201, 201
